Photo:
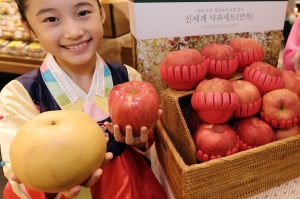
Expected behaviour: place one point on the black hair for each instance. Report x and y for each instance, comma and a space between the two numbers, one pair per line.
23, 6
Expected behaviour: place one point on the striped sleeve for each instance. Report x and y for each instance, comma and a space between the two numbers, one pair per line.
16, 108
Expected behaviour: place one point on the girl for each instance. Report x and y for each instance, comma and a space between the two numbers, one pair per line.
74, 77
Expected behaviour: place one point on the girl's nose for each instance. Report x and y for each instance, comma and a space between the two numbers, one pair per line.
73, 30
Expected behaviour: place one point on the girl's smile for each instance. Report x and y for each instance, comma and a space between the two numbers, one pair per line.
77, 47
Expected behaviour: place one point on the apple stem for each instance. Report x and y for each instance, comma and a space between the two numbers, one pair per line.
53, 122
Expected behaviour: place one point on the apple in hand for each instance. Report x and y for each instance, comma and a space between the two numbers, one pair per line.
253, 132
285, 133
133, 103
291, 81
214, 141
249, 98
215, 100
281, 108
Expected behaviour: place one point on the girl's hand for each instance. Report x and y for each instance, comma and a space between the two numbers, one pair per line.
128, 138
90, 181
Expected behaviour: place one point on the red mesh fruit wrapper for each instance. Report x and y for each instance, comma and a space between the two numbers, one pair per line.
183, 78
263, 82
216, 108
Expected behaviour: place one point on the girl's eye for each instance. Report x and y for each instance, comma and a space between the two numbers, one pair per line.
51, 19
83, 13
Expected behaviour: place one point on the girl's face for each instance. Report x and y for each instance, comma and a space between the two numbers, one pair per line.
71, 30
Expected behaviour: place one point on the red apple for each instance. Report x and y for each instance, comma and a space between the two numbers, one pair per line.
214, 141
291, 79
183, 57
266, 68
221, 60
215, 100
264, 76
246, 91
244, 44
218, 52
281, 108
249, 98
253, 132
215, 85
285, 133
248, 50
183, 69
133, 103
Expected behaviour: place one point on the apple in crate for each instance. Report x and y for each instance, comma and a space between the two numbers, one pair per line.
264, 76
214, 100
248, 50
280, 108
133, 103
215, 141
249, 98
253, 132
285, 133
183, 69
221, 60
291, 81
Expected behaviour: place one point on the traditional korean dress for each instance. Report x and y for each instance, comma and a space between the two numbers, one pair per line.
126, 176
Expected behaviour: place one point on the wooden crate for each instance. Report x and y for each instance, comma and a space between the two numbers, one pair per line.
239, 175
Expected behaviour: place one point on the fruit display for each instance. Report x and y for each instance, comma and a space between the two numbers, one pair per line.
261, 107
281, 108
150, 52
133, 103
285, 133
215, 100
183, 69
253, 132
248, 50
249, 98
64, 149
264, 76
215, 141
221, 60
